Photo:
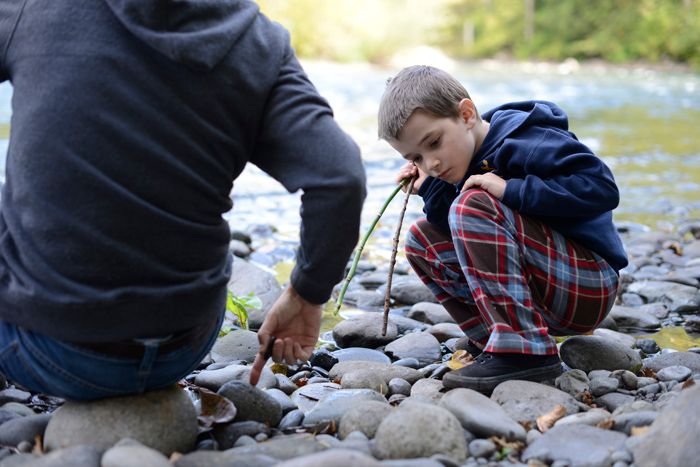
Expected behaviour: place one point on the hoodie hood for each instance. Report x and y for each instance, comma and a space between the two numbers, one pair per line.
196, 33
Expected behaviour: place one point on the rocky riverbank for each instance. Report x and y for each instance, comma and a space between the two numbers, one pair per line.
368, 399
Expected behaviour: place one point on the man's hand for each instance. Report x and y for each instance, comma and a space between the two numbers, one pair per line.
295, 323
409, 171
488, 182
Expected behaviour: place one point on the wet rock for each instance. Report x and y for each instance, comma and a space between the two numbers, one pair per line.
364, 417
674, 423
360, 354
336, 456
578, 445
239, 344
324, 359
148, 418
246, 278
690, 360
597, 353
431, 313
524, 401
386, 370
333, 406
422, 346
480, 415
364, 331
420, 430
679, 298
252, 403
21, 429
215, 379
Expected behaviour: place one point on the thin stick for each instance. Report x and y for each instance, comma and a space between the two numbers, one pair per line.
360, 247
397, 235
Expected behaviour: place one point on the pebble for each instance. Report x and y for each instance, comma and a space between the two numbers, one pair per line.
252, 403
674, 373
648, 346
422, 346
364, 418
482, 448
600, 386
399, 386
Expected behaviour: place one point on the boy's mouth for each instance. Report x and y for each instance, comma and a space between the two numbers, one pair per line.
443, 174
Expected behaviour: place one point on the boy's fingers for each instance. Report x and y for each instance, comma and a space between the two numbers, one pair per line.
255, 371
264, 353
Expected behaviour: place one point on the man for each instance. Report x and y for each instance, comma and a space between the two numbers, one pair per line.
130, 120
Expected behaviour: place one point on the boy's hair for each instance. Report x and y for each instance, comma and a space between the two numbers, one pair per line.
418, 87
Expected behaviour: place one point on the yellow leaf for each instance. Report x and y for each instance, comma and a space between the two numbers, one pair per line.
460, 359
639, 430
546, 421
279, 368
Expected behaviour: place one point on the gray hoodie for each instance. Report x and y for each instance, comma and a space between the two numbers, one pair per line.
130, 120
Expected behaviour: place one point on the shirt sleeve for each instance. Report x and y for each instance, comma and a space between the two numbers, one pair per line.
302, 146
10, 11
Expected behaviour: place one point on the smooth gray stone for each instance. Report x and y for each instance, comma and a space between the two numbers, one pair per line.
673, 437
291, 420
613, 400
308, 396
409, 362
215, 379
648, 346
674, 373
599, 374
591, 418
14, 395
21, 429
252, 403
364, 298
572, 382
589, 353
239, 344
360, 354
335, 405
239, 248
386, 370
445, 331
364, 331
422, 346
335, 456
428, 388
225, 459
399, 386
148, 418
20, 409
634, 318
364, 379
679, 298
365, 417
636, 406
282, 447
481, 448
7, 415
247, 277
285, 384
133, 455
74, 456
431, 313
524, 401
410, 290
600, 386
480, 415
625, 422
687, 359
579, 445
227, 435
627, 379
420, 430
284, 400
624, 339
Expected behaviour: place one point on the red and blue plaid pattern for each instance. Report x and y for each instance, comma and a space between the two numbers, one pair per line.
509, 280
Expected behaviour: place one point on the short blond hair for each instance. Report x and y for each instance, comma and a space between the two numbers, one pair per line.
418, 87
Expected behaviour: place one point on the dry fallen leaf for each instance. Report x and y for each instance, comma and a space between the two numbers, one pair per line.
546, 421
606, 424
647, 373
688, 383
215, 409
675, 246
639, 430
586, 397
460, 359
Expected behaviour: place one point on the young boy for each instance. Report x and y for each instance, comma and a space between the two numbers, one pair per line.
519, 243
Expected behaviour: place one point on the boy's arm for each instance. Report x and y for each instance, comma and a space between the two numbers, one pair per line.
9, 15
559, 177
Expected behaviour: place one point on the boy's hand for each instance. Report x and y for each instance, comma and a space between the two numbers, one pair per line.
295, 323
409, 171
488, 182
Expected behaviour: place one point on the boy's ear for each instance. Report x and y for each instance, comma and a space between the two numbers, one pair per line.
467, 111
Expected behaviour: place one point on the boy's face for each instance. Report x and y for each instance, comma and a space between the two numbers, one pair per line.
439, 146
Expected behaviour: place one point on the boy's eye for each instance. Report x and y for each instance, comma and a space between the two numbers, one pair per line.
417, 159
435, 143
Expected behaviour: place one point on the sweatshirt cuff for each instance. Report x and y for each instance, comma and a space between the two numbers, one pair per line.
511, 197
309, 289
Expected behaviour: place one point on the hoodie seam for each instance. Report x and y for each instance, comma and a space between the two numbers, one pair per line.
12, 33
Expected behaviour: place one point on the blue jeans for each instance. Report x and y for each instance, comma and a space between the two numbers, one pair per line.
46, 365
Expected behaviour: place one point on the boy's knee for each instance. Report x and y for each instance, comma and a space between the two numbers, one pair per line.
475, 201
415, 234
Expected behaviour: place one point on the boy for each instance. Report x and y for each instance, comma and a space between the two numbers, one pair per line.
518, 243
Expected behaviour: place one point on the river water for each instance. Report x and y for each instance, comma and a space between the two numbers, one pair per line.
643, 123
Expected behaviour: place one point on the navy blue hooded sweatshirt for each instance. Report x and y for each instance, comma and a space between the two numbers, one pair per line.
549, 175
130, 120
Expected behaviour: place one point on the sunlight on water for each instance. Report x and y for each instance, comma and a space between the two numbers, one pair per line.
675, 338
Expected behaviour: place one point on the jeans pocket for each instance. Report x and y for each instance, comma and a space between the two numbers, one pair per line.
17, 369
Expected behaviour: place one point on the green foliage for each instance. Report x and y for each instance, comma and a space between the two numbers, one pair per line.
613, 30
239, 306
